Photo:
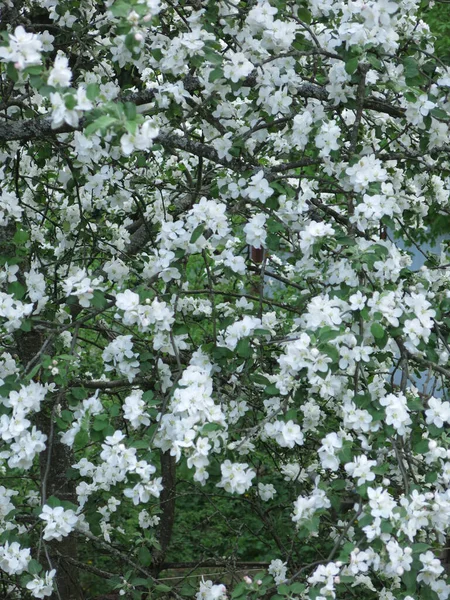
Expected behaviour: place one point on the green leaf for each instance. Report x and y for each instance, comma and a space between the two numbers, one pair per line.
272, 390
338, 484
130, 110
213, 57
215, 74
259, 379
211, 427
103, 122
145, 557
297, 588
326, 334
363, 400
377, 331
120, 9
198, 231
131, 127
53, 502
140, 444
100, 422
36, 81
438, 113
34, 567
431, 477
284, 589
221, 353
365, 520
243, 349
346, 550
410, 97
261, 332
114, 410
17, 290
12, 73
415, 404
21, 236
410, 67
81, 439
92, 91
33, 372
99, 301
386, 526
304, 15
351, 65
70, 101
67, 416
345, 454
162, 587
79, 393
375, 62
421, 447
140, 581
410, 580
33, 70
157, 53
187, 590
26, 325
346, 579
273, 241
240, 590
275, 226
330, 351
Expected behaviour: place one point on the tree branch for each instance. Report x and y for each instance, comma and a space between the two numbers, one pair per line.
41, 128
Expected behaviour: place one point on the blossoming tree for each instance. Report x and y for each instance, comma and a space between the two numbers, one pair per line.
207, 211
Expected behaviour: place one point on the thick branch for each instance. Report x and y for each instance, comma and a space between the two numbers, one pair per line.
215, 563
40, 128
167, 505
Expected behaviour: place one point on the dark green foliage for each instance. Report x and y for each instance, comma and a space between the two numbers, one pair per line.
438, 18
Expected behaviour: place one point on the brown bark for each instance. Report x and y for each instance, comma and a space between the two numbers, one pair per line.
54, 463
167, 505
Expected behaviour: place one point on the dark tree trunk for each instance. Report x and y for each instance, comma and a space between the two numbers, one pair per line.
54, 463
167, 504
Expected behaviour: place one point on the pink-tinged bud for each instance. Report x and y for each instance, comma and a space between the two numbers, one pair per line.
259, 582
247, 579
147, 18
138, 37
337, 579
